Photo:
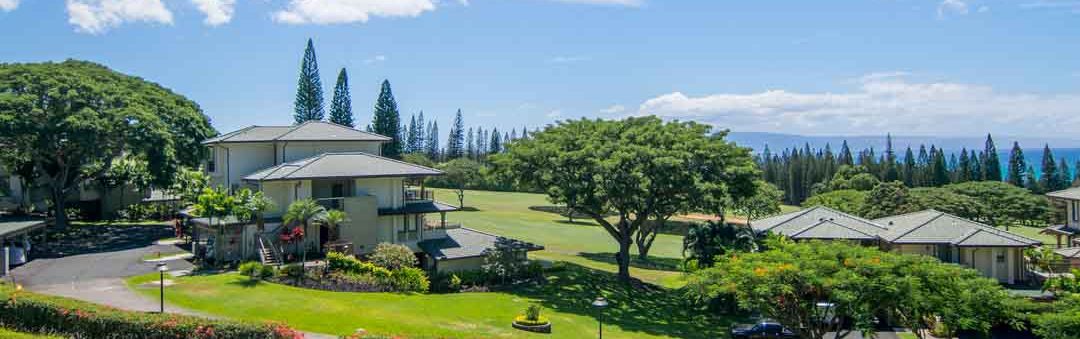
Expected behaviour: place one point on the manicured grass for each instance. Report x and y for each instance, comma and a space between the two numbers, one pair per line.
1033, 232
9, 334
634, 312
582, 242
526, 216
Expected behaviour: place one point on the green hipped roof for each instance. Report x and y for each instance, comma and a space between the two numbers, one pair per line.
467, 243
932, 227
313, 130
819, 222
924, 227
342, 165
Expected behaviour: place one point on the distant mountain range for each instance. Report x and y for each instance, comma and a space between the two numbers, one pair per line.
779, 141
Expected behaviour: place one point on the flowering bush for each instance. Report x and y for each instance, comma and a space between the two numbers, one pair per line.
38, 313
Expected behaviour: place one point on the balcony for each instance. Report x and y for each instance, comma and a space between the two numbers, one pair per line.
335, 203
437, 229
413, 194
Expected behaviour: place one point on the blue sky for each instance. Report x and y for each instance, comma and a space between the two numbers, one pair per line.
909, 67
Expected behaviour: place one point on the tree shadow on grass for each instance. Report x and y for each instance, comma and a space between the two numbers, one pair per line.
637, 307
86, 238
653, 263
245, 283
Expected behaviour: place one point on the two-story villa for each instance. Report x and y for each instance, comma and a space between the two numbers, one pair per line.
1067, 233
340, 168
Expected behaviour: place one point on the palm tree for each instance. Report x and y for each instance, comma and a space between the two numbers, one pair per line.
706, 241
303, 212
332, 219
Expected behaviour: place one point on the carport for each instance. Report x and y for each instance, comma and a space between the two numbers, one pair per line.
11, 230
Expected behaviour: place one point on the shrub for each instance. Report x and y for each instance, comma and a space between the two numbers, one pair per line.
338, 262
409, 279
532, 312
524, 320
393, 256
292, 271
255, 270
38, 313
455, 283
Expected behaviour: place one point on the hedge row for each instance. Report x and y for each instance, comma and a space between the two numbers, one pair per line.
30, 312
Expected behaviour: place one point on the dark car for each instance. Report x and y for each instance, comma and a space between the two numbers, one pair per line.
764, 329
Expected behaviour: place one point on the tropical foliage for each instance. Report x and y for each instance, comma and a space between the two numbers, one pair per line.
63, 124
804, 284
704, 242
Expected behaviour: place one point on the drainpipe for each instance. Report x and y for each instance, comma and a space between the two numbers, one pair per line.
228, 169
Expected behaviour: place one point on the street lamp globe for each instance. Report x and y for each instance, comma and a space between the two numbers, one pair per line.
600, 302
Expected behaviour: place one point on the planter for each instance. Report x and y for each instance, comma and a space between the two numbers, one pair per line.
543, 327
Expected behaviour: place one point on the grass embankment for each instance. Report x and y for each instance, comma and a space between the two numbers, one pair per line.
9, 334
566, 298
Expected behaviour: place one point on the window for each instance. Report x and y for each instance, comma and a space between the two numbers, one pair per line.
211, 163
1076, 210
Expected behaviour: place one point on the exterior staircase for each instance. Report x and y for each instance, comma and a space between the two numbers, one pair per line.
267, 255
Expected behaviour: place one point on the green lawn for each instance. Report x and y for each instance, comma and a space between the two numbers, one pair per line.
9, 334
635, 313
583, 242
1033, 232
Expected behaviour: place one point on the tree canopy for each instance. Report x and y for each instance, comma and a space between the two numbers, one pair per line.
634, 169
309, 92
69, 121
790, 281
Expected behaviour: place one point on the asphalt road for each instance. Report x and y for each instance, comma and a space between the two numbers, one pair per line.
97, 277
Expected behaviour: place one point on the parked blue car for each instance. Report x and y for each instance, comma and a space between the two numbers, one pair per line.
763, 329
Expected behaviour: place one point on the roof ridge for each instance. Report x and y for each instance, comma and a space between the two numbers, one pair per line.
965, 237
795, 214
828, 221
386, 158
855, 217
991, 229
927, 222
292, 128
908, 213
230, 134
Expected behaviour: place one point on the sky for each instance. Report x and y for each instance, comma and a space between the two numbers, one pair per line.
865, 67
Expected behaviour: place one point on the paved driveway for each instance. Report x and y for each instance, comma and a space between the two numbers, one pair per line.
97, 277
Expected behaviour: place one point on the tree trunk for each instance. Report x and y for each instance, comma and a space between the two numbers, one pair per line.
59, 204
623, 257
646, 236
461, 197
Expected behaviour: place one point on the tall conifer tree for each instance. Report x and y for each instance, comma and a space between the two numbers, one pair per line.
1017, 166
455, 142
845, 155
309, 95
387, 121
495, 146
992, 165
432, 143
341, 106
1049, 178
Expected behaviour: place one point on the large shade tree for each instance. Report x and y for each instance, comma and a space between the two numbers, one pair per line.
622, 173
70, 121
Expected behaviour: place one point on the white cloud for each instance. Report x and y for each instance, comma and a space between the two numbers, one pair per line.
375, 59
217, 11
98, 16
877, 76
348, 11
614, 109
952, 7
879, 106
629, 3
554, 114
8, 5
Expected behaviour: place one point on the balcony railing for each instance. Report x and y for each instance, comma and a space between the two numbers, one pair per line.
335, 203
436, 225
415, 194
408, 236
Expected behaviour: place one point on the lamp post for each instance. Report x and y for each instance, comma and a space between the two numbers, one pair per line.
161, 269
600, 303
